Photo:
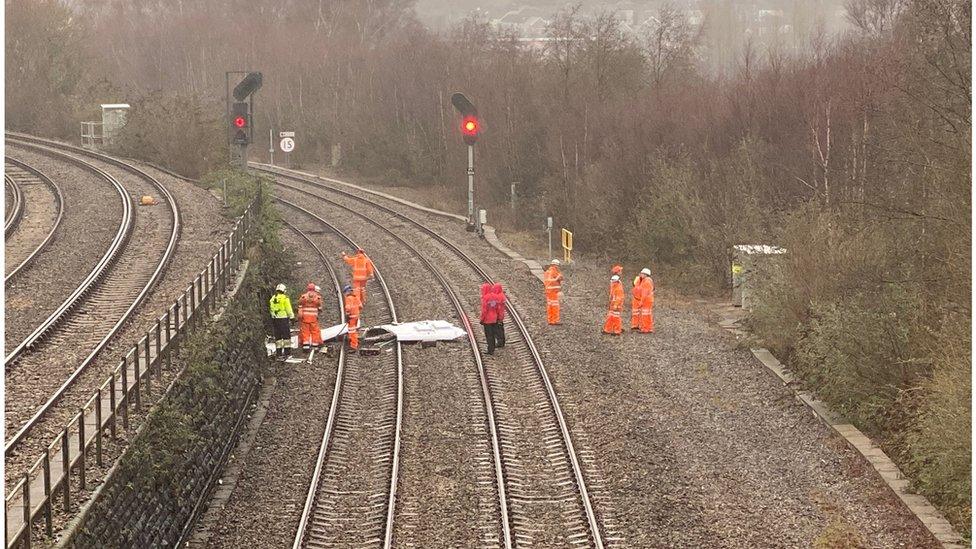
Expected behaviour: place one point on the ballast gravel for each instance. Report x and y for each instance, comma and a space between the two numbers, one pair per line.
693, 442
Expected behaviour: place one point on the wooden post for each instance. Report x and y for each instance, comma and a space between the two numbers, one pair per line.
48, 525
98, 427
27, 509
82, 451
137, 375
112, 404
124, 397
66, 467
148, 365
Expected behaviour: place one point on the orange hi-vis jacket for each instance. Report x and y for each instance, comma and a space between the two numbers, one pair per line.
645, 291
362, 267
552, 280
353, 306
309, 305
616, 297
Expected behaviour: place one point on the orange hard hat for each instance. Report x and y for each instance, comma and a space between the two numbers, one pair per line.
616, 269
310, 287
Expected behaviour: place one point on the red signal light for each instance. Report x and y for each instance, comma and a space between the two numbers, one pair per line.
469, 126
240, 121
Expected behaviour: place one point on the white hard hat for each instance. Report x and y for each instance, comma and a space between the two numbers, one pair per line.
615, 278
280, 288
318, 289
646, 271
555, 262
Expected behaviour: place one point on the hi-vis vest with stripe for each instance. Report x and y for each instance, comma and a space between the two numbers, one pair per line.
552, 280
280, 306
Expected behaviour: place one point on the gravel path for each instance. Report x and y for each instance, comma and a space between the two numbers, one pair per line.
91, 218
695, 443
204, 227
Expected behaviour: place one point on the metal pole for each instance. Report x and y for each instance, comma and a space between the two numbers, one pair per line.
549, 230
471, 218
513, 197
271, 144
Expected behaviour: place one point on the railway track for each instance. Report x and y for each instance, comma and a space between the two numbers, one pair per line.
362, 434
549, 501
37, 192
15, 203
50, 360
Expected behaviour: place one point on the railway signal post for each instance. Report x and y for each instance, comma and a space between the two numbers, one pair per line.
240, 114
470, 128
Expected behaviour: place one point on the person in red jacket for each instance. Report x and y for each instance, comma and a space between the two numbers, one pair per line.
489, 316
500, 298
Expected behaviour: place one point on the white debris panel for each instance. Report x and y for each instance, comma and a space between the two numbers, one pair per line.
422, 331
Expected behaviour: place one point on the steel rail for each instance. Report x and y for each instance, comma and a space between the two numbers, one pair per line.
11, 220
59, 203
97, 273
154, 279
475, 350
395, 457
579, 478
336, 390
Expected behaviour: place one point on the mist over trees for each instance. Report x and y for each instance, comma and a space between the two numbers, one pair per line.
855, 156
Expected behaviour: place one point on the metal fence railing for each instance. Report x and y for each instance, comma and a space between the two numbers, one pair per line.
50, 476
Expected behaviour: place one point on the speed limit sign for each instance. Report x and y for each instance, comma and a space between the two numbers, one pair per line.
287, 144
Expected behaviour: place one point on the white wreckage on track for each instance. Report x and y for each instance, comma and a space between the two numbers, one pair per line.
425, 332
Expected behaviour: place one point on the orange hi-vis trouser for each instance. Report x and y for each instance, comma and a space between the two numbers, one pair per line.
309, 332
613, 325
353, 324
552, 306
359, 286
635, 313
647, 316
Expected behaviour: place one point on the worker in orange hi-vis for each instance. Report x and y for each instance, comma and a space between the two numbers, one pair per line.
309, 305
362, 270
614, 325
552, 280
635, 304
646, 293
352, 306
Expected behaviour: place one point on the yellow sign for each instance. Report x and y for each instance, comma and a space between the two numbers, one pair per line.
567, 245
736, 269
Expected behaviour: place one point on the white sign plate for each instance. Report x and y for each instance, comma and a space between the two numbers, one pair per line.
287, 144
286, 134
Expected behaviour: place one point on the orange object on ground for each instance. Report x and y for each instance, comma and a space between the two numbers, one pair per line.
614, 325
147, 200
309, 305
362, 270
352, 306
646, 305
552, 281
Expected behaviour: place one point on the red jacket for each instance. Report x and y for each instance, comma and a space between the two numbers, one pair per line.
499, 294
489, 305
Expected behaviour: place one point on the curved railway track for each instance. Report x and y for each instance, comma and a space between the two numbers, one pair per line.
363, 431
533, 430
21, 245
99, 307
15, 204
